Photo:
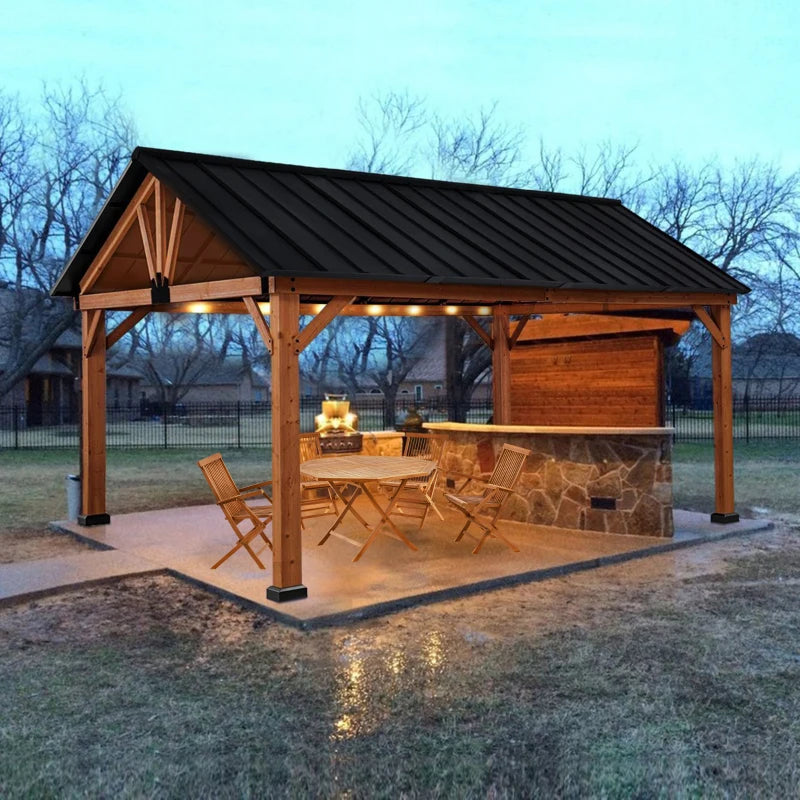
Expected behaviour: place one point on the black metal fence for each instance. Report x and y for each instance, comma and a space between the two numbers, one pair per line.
234, 424
753, 418
243, 424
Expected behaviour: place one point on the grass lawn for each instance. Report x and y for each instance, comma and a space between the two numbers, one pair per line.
671, 676
767, 476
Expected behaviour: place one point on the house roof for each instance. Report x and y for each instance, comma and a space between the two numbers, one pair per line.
765, 356
230, 373
294, 221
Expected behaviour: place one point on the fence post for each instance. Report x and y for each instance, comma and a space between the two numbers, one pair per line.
16, 427
239, 424
747, 418
164, 417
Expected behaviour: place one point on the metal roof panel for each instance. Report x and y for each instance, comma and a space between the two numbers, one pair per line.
300, 221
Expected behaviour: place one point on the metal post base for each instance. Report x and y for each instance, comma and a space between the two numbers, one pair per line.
281, 595
724, 518
87, 520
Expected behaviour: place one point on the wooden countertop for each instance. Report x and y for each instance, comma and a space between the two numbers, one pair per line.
468, 427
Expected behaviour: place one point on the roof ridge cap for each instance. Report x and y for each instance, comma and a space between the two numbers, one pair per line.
379, 177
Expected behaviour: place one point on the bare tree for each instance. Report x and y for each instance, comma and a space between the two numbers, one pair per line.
318, 360
479, 148
468, 359
401, 342
354, 342
389, 126
176, 352
55, 172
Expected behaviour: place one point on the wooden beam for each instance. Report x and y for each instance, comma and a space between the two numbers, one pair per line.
216, 290
117, 234
360, 310
183, 293
487, 340
161, 231
518, 330
261, 323
492, 293
722, 386
501, 368
90, 335
287, 573
420, 291
129, 298
126, 325
586, 307
573, 325
322, 319
711, 325
174, 240
147, 241
93, 419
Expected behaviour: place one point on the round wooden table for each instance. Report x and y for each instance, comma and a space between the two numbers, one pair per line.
360, 471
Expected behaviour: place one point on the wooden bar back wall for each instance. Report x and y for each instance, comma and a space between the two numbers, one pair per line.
614, 382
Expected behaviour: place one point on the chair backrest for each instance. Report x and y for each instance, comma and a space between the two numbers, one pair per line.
221, 483
429, 446
509, 465
309, 446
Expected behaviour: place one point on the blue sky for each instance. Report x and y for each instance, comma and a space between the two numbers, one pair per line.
280, 80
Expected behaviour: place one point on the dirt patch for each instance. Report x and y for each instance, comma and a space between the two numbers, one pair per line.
125, 608
27, 544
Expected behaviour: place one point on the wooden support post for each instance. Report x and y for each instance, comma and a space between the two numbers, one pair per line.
721, 375
501, 367
287, 573
93, 419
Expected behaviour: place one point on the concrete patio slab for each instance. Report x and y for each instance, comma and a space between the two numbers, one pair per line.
25, 580
390, 576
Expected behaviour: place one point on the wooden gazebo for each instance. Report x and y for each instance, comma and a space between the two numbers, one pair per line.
186, 232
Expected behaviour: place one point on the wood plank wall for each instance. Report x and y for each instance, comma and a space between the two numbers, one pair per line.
615, 381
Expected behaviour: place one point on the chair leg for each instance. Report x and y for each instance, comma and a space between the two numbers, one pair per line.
424, 517
464, 529
434, 507
244, 541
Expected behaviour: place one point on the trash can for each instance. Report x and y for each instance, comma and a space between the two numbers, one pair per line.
73, 486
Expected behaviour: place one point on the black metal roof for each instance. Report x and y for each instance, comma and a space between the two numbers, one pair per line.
297, 221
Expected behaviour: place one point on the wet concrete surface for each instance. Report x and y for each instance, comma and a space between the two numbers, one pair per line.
390, 576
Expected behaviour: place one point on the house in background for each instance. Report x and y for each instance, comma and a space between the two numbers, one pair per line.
229, 382
427, 378
765, 366
48, 394
426, 381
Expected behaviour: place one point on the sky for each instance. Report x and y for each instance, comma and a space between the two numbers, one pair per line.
280, 81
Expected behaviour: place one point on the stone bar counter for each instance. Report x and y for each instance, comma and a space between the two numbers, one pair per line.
616, 480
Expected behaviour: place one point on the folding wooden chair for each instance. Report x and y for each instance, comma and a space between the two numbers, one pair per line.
231, 499
317, 497
415, 499
431, 447
490, 501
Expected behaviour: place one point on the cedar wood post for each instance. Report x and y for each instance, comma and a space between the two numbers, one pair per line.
93, 419
723, 417
501, 367
287, 573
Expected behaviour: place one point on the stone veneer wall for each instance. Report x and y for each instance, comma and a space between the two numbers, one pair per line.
565, 470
